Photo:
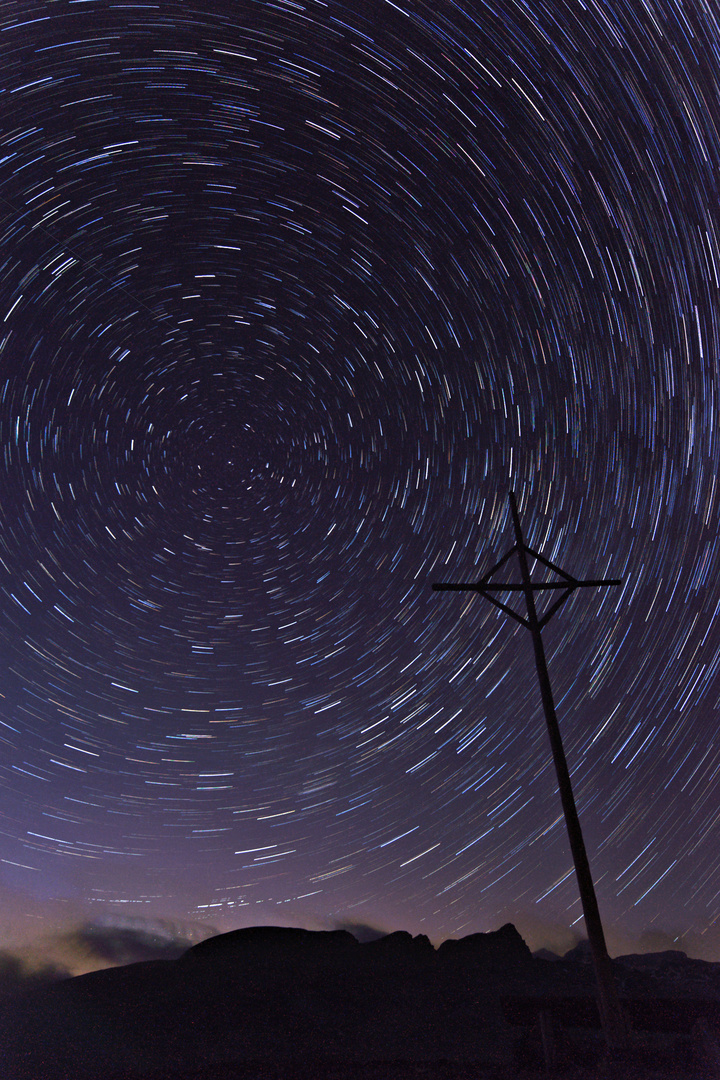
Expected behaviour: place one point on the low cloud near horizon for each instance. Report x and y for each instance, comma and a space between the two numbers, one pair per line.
94, 944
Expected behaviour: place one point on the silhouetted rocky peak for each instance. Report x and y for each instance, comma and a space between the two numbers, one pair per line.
498, 950
546, 954
672, 973
272, 944
399, 950
581, 953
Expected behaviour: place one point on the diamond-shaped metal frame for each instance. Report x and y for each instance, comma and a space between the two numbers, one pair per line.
487, 588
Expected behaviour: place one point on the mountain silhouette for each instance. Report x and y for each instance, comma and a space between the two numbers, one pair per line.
274, 1001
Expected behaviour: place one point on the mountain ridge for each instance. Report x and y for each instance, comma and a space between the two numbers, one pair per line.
289, 996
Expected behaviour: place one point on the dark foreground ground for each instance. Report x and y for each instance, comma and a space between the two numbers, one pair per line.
282, 1004
440, 1070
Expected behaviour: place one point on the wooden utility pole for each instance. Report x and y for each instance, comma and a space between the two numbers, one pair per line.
611, 1013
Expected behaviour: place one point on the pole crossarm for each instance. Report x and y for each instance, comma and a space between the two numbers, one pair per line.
514, 587
486, 589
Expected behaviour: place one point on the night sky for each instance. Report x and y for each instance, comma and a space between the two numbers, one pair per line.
292, 296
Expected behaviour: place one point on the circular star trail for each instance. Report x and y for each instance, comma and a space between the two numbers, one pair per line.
292, 296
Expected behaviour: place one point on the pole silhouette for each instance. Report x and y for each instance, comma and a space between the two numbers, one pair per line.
611, 1013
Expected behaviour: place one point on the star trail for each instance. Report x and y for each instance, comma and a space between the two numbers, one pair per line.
292, 295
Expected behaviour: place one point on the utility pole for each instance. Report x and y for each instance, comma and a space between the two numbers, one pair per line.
611, 1012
